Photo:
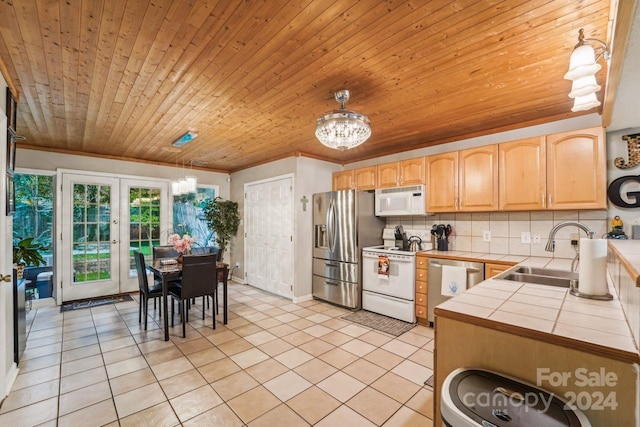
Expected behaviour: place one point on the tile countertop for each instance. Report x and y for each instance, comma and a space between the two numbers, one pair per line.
547, 313
628, 252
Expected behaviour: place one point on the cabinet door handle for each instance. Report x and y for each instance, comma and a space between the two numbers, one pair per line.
544, 204
550, 200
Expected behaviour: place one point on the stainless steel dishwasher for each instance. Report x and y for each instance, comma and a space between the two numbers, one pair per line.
475, 275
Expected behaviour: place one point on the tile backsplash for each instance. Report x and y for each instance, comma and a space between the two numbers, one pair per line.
506, 230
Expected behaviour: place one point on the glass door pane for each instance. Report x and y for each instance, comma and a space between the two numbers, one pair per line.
144, 225
90, 247
91, 232
144, 221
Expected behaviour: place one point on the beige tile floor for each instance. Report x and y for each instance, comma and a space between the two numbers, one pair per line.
274, 364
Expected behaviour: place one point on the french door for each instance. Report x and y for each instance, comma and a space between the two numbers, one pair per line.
269, 219
104, 220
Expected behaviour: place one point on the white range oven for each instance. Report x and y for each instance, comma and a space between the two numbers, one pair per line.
388, 282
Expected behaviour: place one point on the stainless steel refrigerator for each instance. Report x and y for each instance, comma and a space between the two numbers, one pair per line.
343, 223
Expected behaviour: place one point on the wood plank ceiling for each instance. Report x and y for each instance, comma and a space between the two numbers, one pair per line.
125, 78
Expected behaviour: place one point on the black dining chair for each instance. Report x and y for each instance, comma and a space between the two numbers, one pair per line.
198, 280
154, 291
211, 250
168, 251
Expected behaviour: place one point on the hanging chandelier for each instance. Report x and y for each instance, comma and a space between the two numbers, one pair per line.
187, 184
343, 129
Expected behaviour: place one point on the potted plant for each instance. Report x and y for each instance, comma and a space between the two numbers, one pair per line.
223, 219
26, 253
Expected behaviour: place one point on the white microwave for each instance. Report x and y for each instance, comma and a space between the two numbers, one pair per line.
400, 201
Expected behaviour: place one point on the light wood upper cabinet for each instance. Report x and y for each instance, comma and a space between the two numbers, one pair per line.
388, 175
465, 180
412, 171
523, 180
478, 179
343, 180
442, 182
576, 170
560, 171
405, 172
365, 178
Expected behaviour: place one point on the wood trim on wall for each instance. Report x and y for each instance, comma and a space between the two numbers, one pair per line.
618, 44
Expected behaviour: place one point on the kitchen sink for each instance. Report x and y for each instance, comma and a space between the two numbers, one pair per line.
544, 272
538, 276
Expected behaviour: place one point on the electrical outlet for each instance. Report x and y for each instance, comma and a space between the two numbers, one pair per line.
237, 264
486, 236
525, 237
536, 239
575, 239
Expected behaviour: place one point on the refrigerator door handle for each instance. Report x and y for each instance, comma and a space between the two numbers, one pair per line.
331, 226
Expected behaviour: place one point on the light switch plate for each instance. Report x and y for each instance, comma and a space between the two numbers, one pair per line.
525, 237
486, 236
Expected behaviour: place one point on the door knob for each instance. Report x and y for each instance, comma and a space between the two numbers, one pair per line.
5, 278
114, 241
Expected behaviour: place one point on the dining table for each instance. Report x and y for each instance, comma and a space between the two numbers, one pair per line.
167, 273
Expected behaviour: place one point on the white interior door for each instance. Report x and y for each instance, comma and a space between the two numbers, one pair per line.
90, 229
269, 235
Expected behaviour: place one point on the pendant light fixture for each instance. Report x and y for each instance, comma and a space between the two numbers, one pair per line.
583, 66
187, 184
342, 129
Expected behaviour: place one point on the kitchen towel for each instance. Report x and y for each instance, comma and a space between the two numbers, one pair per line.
592, 273
383, 267
454, 280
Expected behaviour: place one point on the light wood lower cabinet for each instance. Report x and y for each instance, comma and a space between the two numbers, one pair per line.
491, 270
421, 289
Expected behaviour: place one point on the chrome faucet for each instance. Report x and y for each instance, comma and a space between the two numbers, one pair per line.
551, 246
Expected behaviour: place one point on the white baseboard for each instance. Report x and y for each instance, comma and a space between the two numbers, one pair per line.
44, 302
238, 279
12, 374
303, 298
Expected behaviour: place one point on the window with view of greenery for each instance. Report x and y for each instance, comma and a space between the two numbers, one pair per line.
144, 222
91, 232
188, 216
34, 211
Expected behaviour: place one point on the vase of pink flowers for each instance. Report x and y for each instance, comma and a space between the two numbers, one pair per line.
181, 244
